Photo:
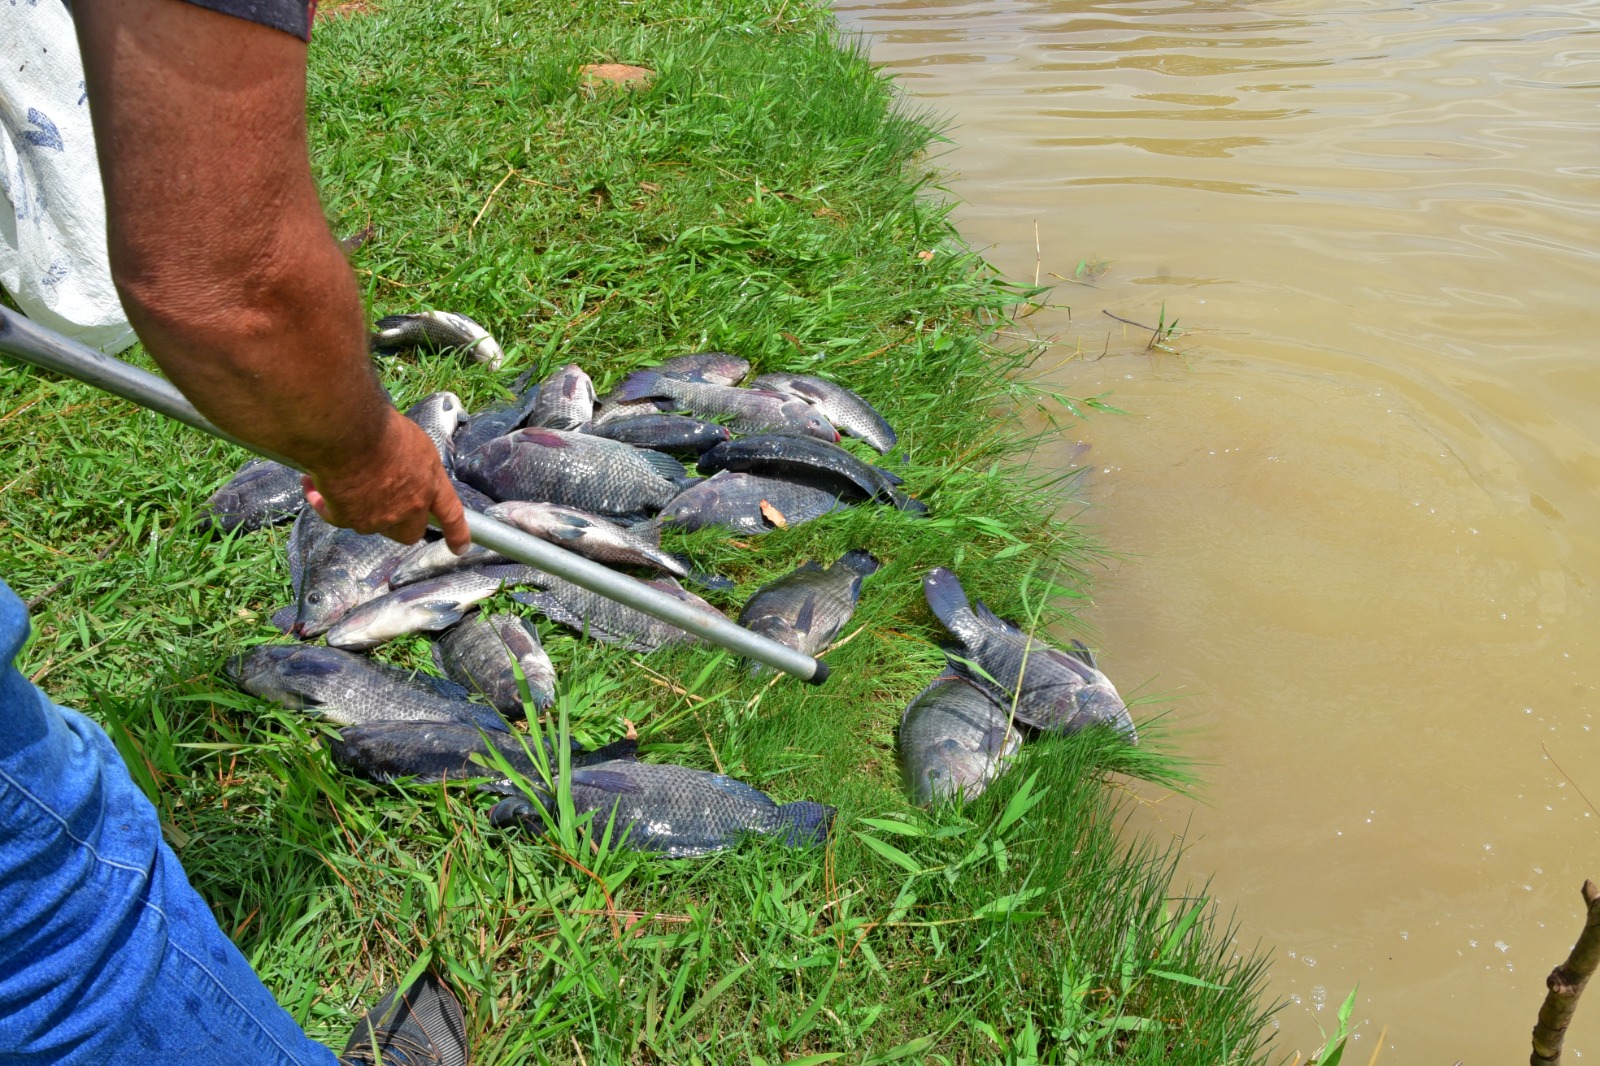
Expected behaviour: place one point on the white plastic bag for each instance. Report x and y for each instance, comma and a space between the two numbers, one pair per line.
53, 259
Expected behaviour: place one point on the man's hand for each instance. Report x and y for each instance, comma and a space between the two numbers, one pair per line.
225, 264
383, 494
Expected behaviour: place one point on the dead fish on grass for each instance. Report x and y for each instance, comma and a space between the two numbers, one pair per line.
479, 653
566, 400
439, 414
591, 473
806, 609
262, 493
675, 810
1050, 689
708, 368
425, 607
333, 570
348, 689
846, 410
954, 739
747, 410
436, 331
430, 752
479, 428
783, 455
752, 503
589, 535
677, 434
608, 621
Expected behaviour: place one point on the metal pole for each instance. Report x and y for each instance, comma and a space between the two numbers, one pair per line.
33, 344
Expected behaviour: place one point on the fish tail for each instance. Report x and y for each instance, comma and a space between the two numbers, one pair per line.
639, 385
908, 504
860, 561
947, 599
805, 822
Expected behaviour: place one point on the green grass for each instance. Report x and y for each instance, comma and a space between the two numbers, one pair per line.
765, 195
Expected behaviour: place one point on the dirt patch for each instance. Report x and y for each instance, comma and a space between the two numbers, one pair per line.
615, 75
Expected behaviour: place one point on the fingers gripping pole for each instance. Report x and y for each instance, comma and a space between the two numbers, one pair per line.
33, 344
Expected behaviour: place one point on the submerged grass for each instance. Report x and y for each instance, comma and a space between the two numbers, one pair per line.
765, 194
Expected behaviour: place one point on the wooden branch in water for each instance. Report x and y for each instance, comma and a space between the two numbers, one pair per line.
1566, 983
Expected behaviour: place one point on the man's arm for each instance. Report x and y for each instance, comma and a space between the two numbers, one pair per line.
225, 264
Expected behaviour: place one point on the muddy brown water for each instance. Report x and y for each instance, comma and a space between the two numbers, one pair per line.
1358, 512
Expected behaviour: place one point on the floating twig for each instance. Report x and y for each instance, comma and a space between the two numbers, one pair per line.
1566, 983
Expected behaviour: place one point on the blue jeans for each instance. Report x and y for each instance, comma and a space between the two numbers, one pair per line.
107, 955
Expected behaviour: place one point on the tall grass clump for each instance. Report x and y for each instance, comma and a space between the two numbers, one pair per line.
765, 194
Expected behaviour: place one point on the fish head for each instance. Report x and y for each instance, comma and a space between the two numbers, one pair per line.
287, 674
1100, 704
325, 600
811, 421
951, 768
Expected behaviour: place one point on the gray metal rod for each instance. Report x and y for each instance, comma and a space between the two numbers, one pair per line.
33, 344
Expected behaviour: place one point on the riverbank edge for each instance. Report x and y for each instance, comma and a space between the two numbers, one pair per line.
1016, 929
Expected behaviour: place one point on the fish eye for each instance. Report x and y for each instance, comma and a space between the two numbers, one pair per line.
313, 598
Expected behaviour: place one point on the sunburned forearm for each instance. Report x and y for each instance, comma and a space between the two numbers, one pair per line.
225, 263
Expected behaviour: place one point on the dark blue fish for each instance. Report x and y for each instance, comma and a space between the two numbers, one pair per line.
262, 493
676, 810
1045, 687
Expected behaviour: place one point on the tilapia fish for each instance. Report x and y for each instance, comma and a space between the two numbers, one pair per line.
806, 609
751, 503
439, 414
608, 621
261, 493
746, 410
609, 409
591, 473
675, 810
436, 331
779, 455
847, 411
332, 570
1050, 689
678, 434
427, 606
589, 535
566, 400
708, 368
954, 738
483, 654
350, 689
430, 752
481, 427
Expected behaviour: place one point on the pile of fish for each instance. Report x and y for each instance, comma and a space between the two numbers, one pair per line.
603, 476
600, 476
959, 733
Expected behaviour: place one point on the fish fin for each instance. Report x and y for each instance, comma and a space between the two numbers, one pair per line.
624, 749
946, 598
542, 437
741, 790
859, 561
993, 621
284, 617
605, 780
890, 476
639, 385
704, 579
806, 822
806, 616
908, 504
569, 532
663, 464
514, 810
1081, 652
